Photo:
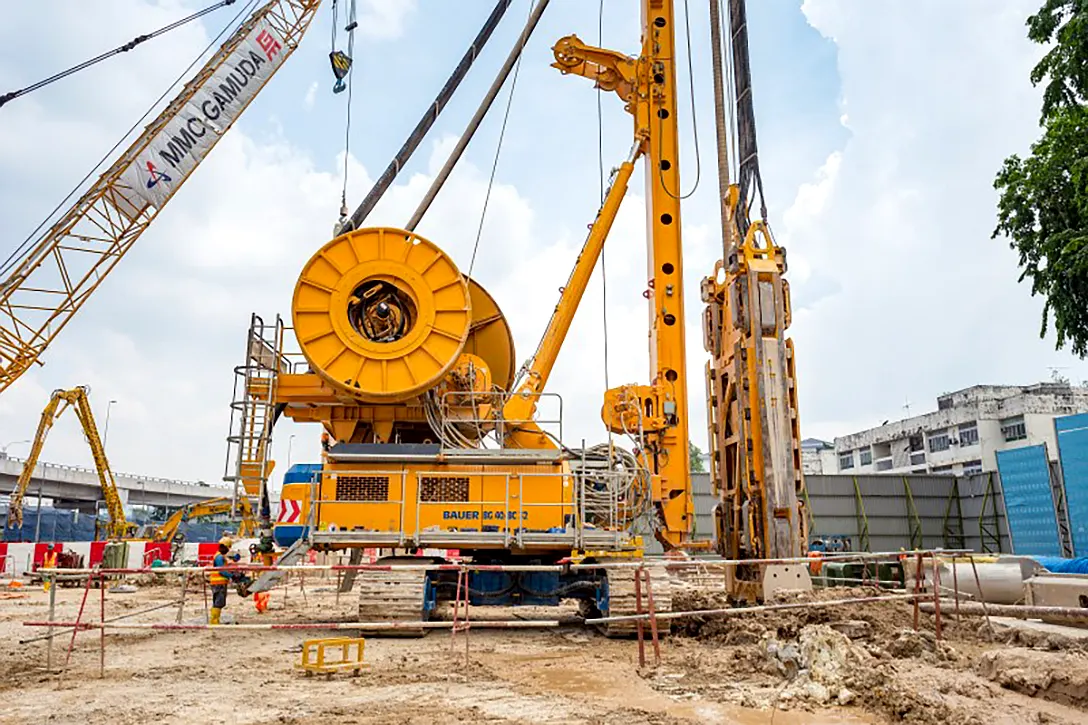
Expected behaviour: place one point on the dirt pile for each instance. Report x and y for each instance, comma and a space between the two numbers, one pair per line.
883, 618
1053, 676
869, 655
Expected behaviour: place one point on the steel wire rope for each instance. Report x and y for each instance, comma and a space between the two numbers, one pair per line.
600, 170
498, 151
731, 89
694, 122
347, 125
12, 95
17, 254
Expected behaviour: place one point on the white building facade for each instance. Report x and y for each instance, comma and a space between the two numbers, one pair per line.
818, 457
965, 432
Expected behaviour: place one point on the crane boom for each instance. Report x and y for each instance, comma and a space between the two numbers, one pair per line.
53, 279
77, 399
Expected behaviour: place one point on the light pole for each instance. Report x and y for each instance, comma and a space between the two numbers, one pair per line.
106, 428
4, 448
289, 442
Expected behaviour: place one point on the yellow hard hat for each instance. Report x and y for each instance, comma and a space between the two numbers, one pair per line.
226, 541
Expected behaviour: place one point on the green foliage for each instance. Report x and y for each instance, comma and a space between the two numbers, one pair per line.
1044, 211
1043, 208
696, 456
1065, 66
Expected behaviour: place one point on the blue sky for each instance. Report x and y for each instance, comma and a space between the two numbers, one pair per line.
880, 128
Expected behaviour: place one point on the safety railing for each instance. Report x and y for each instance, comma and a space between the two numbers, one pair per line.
519, 509
42, 468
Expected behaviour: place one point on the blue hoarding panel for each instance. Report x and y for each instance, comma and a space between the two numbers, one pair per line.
1025, 480
1072, 433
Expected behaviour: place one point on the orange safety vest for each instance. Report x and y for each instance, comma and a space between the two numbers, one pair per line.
214, 577
50, 560
815, 562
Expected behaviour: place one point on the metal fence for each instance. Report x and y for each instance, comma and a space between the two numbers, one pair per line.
886, 513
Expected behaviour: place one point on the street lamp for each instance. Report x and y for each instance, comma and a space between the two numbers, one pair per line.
106, 428
4, 448
289, 442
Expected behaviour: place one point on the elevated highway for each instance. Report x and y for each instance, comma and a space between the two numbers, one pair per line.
76, 487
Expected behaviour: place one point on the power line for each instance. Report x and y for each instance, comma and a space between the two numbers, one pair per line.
16, 255
498, 150
11, 96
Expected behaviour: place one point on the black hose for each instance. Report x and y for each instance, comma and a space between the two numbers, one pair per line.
420, 131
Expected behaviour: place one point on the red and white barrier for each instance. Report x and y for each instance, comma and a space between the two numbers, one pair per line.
18, 558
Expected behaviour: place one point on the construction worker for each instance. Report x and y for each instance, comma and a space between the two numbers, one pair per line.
221, 575
49, 562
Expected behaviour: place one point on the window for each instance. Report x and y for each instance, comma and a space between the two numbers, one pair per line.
884, 464
972, 467
968, 434
917, 458
846, 460
1014, 429
866, 455
938, 441
941, 469
916, 443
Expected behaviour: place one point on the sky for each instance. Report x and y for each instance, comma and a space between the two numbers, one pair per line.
881, 126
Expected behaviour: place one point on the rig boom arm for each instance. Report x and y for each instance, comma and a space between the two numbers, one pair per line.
520, 407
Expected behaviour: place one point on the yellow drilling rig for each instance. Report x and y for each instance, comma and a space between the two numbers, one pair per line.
434, 437
435, 441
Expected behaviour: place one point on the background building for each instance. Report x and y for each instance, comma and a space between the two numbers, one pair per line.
965, 433
818, 457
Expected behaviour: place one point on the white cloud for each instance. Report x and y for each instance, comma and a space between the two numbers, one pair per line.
310, 97
904, 294
899, 292
384, 19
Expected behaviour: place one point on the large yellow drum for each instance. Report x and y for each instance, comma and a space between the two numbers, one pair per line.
382, 314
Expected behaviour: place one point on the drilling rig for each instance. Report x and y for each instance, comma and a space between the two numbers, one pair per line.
435, 437
433, 440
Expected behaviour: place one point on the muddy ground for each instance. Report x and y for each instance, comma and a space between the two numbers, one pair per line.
858, 665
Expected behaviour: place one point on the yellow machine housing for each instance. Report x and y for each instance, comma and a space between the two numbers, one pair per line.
407, 364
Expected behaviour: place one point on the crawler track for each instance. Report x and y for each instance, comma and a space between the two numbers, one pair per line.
392, 596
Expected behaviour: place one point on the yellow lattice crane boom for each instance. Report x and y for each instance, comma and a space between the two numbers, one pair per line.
77, 399
52, 279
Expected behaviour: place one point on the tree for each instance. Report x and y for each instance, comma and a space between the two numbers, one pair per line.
696, 456
1043, 208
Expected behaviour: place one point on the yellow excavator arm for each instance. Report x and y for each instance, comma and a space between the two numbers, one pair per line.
77, 399
247, 527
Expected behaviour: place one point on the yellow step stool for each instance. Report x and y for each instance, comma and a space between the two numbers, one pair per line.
316, 655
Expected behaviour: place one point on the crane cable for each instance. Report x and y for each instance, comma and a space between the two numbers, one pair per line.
17, 254
604, 272
12, 95
679, 195
498, 151
350, 28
